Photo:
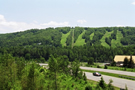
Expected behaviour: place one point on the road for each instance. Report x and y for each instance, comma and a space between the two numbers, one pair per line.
110, 71
118, 82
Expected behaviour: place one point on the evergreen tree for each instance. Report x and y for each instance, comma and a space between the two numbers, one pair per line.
102, 83
131, 62
125, 63
88, 87
110, 86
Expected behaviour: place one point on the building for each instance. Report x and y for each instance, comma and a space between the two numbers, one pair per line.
119, 59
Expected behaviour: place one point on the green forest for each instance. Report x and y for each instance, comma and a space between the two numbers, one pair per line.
68, 36
18, 74
83, 44
60, 47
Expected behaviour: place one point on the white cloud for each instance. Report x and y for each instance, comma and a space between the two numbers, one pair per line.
120, 25
133, 3
12, 26
2, 18
53, 23
81, 21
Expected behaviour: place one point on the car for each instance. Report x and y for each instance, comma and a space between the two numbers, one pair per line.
96, 74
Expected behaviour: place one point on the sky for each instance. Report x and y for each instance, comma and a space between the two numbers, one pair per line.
20, 15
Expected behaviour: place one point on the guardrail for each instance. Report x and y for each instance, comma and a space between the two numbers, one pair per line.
127, 77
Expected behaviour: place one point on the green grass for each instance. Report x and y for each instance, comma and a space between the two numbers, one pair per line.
103, 43
64, 38
91, 36
110, 74
109, 67
80, 41
116, 42
94, 83
121, 69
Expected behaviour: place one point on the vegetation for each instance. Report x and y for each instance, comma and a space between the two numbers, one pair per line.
104, 39
17, 74
63, 36
20, 51
80, 41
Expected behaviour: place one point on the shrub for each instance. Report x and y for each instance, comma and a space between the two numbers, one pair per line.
125, 69
88, 87
102, 83
98, 66
105, 67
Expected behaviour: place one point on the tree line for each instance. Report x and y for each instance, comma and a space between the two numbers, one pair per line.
52, 36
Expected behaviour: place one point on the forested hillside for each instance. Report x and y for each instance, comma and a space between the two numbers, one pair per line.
67, 36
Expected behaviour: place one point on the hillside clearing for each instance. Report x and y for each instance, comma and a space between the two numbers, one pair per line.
80, 41
91, 36
107, 34
64, 38
116, 42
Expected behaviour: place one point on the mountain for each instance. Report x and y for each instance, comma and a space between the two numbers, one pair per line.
67, 36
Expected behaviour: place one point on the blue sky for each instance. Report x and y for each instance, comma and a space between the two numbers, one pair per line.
20, 15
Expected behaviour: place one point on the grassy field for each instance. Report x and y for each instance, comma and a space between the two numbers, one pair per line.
116, 42
107, 34
80, 41
64, 38
91, 36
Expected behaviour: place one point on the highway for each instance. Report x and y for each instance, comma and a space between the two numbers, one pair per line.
110, 71
118, 82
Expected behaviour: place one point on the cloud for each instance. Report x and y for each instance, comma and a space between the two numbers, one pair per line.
120, 25
133, 3
2, 18
12, 26
81, 21
53, 23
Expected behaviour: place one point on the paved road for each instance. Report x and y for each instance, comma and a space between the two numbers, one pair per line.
111, 71
118, 82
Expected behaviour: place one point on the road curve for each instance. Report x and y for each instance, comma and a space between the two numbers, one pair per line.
109, 71
118, 82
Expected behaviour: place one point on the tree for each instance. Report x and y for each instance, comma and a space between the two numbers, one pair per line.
105, 67
125, 63
113, 63
88, 87
110, 86
53, 67
27, 56
63, 63
75, 68
30, 82
90, 61
131, 62
102, 83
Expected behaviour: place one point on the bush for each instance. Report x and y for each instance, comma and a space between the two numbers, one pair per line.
88, 87
105, 67
102, 83
125, 69
98, 66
